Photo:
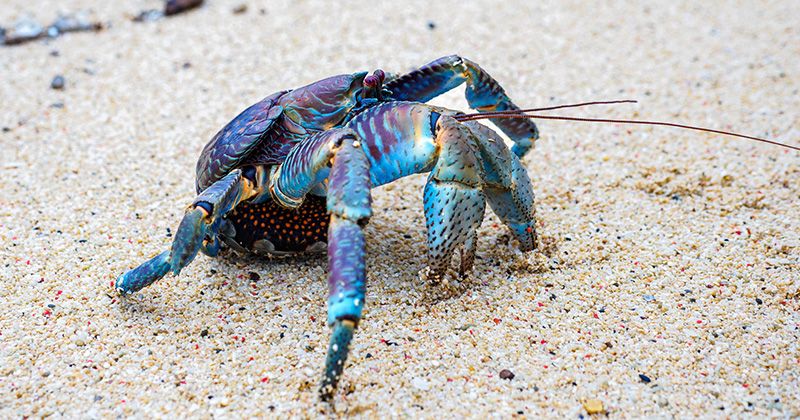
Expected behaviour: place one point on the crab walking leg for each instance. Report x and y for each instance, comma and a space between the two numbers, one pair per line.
198, 228
507, 187
336, 155
483, 94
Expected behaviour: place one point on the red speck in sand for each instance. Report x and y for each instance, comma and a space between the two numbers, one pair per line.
496, 321
264, 379
595, 316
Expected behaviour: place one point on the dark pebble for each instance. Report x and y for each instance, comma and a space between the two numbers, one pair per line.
506, 374
759, 301
173, 7
644, 378
58, 82
187, 65
238, 10
58, 105
203, 333
368, 356
51, 306
431, 25
55, 53
254, 276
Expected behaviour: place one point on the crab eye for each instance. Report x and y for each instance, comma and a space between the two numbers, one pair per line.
372, 81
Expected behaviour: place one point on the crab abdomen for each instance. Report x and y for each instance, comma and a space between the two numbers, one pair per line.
272, 229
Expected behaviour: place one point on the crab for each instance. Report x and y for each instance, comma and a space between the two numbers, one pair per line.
293, 172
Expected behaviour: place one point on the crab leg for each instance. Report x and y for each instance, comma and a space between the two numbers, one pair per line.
483, 94
336, 155
198, 228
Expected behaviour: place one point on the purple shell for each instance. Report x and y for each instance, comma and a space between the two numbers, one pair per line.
236, 141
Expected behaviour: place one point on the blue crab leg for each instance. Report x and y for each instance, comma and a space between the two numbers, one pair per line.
483, 94
198, 228
338, 156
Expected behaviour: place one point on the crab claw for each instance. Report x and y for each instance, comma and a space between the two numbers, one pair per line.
188, 239
337, 356
144, 275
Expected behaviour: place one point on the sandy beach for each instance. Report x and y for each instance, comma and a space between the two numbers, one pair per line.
667, 283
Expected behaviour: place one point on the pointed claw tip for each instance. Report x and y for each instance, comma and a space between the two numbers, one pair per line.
337, 355
326, 393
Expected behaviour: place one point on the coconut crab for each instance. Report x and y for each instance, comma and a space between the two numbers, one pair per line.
293, 172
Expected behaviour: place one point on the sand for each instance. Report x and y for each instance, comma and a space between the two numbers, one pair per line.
670, 256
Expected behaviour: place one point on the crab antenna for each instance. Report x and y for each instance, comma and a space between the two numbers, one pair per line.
550, 108
518, 114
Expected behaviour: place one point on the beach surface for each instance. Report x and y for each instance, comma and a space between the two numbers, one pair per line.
667, 282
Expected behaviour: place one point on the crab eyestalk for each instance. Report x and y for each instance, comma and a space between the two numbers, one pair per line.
373, 84
337, 356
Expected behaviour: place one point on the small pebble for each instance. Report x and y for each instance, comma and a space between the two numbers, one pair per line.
58, 82
254, 276
148, 16
506, 374
173, 7
644, 378
431, 25
593, 406
238, 10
